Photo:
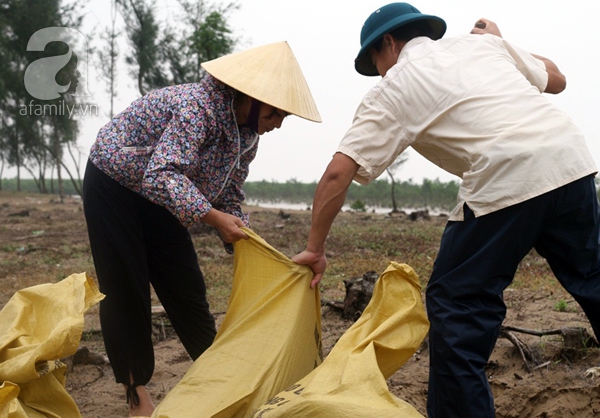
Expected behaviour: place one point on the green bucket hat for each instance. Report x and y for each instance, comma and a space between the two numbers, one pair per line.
385, 20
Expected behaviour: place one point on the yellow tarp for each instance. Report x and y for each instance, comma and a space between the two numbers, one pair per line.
38, 326
269, 339
351, 382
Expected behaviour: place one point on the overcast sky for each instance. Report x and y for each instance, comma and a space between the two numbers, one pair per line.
324, 36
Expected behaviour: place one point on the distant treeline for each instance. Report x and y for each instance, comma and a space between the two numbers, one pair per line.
431, 193
32, 186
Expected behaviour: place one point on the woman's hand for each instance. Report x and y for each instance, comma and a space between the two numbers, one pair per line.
316, 261
486, 26
227, 225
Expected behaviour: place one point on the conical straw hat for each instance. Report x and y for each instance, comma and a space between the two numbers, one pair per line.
270, 74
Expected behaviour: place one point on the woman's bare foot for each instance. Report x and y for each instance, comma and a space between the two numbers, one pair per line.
145, 407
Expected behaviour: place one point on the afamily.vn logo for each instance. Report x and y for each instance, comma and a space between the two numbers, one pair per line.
40, 75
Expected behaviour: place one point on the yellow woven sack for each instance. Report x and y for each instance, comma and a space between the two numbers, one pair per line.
351, 382
269, 339
38, 326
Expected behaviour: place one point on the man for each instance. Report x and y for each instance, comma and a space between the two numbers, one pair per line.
473, 106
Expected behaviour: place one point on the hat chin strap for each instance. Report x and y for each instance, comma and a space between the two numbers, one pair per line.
253, 115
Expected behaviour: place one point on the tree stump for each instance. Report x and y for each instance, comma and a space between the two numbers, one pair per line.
419, 214
359, 291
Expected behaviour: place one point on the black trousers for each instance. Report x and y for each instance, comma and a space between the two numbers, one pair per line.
136, 243
477, 260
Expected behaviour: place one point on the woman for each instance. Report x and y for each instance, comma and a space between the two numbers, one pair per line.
177, 156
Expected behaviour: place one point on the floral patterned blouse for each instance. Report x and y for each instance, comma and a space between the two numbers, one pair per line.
180, 147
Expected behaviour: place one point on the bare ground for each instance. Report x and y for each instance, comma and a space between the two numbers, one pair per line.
44, 240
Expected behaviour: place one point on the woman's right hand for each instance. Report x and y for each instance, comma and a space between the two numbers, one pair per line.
227, 225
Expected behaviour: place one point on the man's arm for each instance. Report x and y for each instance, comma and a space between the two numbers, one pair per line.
557, 82
328, 201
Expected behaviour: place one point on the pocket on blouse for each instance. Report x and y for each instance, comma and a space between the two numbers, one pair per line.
138, 150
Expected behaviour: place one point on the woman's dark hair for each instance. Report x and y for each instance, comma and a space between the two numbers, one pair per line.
407, 32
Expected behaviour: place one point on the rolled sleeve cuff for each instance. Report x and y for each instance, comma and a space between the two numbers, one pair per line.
365, 174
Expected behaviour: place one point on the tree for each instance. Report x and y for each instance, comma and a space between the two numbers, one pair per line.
107, 56
38, 142
4, 74
203, 36
172, 55
391, 170
143, 32
31, 126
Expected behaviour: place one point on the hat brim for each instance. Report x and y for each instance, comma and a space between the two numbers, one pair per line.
269, 74
363, 63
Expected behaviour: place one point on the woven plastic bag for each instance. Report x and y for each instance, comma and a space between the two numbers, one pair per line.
38, 326
269, 339
351, 381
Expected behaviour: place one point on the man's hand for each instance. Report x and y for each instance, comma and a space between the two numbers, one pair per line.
557, 82
316, 261
486, 26
327, 203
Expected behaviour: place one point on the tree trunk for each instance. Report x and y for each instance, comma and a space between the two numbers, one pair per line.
394, 206
61, 191
18, 177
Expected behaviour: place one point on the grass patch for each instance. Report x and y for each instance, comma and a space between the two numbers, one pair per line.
357, 243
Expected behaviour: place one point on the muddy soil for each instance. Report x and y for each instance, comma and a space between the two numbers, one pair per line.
553, 384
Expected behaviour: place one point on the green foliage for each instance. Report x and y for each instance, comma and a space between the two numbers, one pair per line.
143, 32
33, 132
107, 56
35, 138
31, 186
212, 38
163, 54
358, 206
432, 194
202, 34
410, 195
291, 191
561, 306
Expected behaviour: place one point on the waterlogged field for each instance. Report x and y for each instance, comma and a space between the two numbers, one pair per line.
44, 240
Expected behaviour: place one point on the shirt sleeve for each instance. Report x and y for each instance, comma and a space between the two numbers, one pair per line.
232, 196
165, 181
377, 136
532, 68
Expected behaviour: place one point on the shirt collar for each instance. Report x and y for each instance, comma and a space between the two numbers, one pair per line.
414, 42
